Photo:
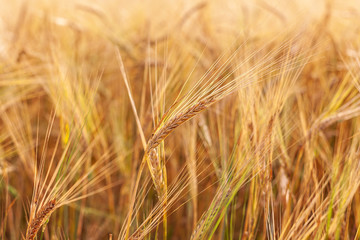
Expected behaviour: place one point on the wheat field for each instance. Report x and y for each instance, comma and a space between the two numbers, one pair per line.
210, 119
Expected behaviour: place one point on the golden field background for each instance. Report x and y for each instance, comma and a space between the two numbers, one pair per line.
180, 119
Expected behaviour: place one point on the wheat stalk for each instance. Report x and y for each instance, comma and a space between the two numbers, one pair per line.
157, 170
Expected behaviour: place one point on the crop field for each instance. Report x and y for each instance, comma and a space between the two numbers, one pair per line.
164, 119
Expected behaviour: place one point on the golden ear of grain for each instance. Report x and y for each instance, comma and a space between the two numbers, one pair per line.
208, 218
161, 133
39, 219
176, 121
